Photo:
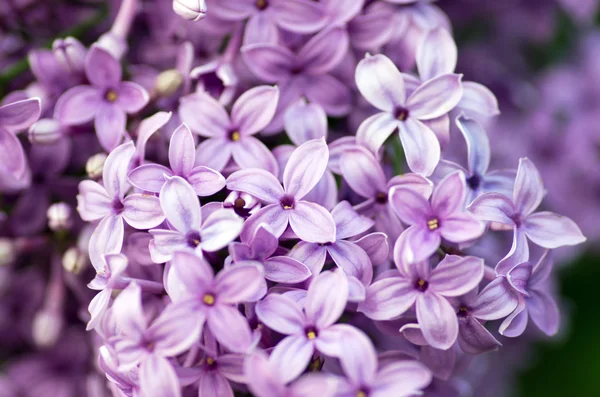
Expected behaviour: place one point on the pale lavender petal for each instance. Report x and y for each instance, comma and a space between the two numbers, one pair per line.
441, 128
281, 314
437, 320
455, 275
326, 298
180, 205
324, 51
352, 259
541, 270
529, 189
222, 320
478, 100
93, 202
249, 152
269, 62
449, 196
421, 146
273, 215
437, 54
496, 300
233, 10
232, 367
97, 308
149, 177
411, 207
263, 378
501, 181
194, 273
515, 324
212, 383
219, 229
261, 29
337, 149
414, 182
334, 96
388, 298
101, 68
147, 128
142, 211
264, 243
419, 244
173, 331
255, 109
204, 115
182, 151
214, 153
518, 277
493, 207
14, 160
373, 27
311, 222
305, 168
116, 167
258, 183
301, 16
164, 243
304, 122
363, 172
311, 254
473, 338
435, 97
380, 82
550, 230
478, 144
158, 378
19, 115
409, 376
313, 384
131, 97
283, 269
348, 222
110, 126
544, 312
78, 105
376, 246
461, 227
238, 284
107, 238
359, 358
291, 356
325, 192
206, 181
440, 362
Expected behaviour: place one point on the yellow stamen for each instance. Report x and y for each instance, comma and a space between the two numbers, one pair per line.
210, 361
261, 4
311, 335
235, 136
433, 224
111, 96
361, 394
208, 299
421, 282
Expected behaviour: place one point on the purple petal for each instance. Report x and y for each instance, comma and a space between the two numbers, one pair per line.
478, 144
232, 367
440, 362
460, 228
273, 215
214, 153
312, 385
473, 338
206, 181
496, 300
291, 356
283, 269
541, 270
233, 10
376, 246
325, 192
219, 229
435, 97
107, 238
101, 68
110, 126
19, 115
388, 298
311, 254
97, 308
515, 324
204, 115
414, 182
519, 253
544, 312
326, 298
372, 28
173, 332
304, 122
359, 359
194, 273
263, 379
281, 314
529, 190
116, 167
212, 383
348, 222
363, 172
147, 128
329, 92
352, 259
437, 320
518, 277
14, 160
78, 105
311, 222
437, 54
301, 16
128, 313
182, 151
92, 202
164, 243
158, 378
550, 230
261, 29
411, 207
305, 168
238, 284
269, 62
493, 207
255, 109
180, 205
264, 243
142, 211
449, 196
324, 51
456, 275
408, 376
258, 183
380, 82
421, 146
132, 97
149, 177
416, 244
478, 100
249, 152
222, 320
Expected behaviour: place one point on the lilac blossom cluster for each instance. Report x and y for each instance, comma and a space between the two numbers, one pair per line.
268, 206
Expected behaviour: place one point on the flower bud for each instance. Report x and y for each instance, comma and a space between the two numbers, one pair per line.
168, 82
46, 327
192, 10
70, 53
73, 260
59, 217
8, 251
95, 165
45, 131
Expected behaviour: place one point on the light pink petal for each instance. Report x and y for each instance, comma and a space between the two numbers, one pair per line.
435, 97
180, 205
110, 126
305, 168
281, 314
78, 105
388, 298
380, 82
550, 230
214, 153
149, 177
455, 275
312, 223
421, 146
258, 183
142, 211
437, 320
255, 109
249, 152
437, 54
204, 115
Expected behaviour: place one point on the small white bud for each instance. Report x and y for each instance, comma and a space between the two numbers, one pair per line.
45, 131
8, 251
192, 10
95, 165
168, 82
46, 328
59, 216
70, 53
73, 260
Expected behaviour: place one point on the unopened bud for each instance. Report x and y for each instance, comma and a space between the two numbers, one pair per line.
46, 328
95, 165
45, 131
74, 260
70, 53
8, 251
168, 82
59, 217
192, 10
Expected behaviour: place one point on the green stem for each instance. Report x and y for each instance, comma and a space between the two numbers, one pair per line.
397, 155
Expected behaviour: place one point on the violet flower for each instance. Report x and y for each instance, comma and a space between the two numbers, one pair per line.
232, 137
106, 101
310, 328
242, 204
445, 217
191, 232
428, 290
262, 247
309, 221
209, 299
182, 157
382, 85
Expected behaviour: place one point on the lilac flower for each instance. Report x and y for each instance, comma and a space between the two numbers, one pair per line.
479, 180
106, 101
444, 217
309, 221
365, 176
95, 201
243, 204
14, 117
301, 16
529, 282
428, 290
348, 255
232, 136
309, 328
209, 299
277, 268
380, 82
265, 379
304, 73
365, 377
191, 233
437, 56
305, 121
149, 345
546, 229
182, 156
